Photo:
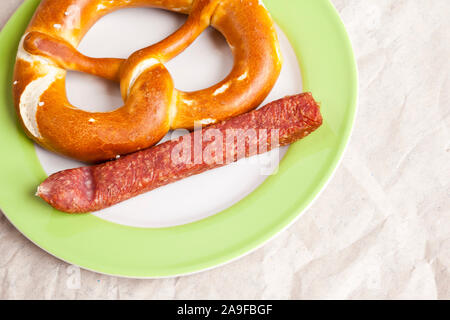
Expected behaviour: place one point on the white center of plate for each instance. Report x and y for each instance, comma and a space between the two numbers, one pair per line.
207, 61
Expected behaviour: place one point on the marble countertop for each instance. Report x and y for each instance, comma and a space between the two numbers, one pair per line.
381, 229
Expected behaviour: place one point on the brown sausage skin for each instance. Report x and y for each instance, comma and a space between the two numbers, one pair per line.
97, 187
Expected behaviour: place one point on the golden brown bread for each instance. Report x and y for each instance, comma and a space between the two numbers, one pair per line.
152, 105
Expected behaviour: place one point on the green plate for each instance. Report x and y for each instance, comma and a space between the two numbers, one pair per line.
329, 72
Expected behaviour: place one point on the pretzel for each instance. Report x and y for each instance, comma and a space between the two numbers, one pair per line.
152, 105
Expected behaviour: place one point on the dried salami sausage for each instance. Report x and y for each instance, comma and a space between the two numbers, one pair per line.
86, 189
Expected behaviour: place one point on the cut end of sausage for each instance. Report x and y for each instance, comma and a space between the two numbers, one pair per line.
70, 191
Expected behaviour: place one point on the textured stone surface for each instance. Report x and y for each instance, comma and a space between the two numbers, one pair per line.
381, 229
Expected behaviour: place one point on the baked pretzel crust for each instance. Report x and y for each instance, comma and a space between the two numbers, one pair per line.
152, 105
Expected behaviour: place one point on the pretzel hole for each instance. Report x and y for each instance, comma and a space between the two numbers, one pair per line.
203, 64
91, 93
206, 62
